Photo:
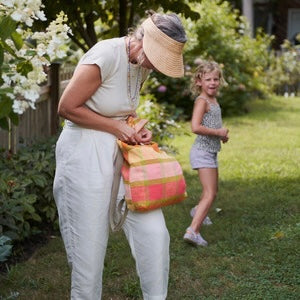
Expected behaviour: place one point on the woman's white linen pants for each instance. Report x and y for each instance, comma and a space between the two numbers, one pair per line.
82, 189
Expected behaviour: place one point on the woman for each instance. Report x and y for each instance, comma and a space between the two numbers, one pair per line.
102, 93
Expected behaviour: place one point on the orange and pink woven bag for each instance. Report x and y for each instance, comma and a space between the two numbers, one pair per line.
152, 178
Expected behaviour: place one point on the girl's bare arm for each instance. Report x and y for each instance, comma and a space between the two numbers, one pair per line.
200, 108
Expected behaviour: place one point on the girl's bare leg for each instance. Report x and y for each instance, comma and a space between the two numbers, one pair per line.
209, 181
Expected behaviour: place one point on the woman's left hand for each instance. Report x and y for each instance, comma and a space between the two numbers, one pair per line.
144, 136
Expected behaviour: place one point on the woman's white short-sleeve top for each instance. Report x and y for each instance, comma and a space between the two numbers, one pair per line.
111, 98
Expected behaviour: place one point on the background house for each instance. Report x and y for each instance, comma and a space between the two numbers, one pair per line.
280, 18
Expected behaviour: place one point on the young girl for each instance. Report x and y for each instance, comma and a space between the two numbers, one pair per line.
207, 124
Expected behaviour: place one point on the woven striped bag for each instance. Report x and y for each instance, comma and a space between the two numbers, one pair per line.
152, 178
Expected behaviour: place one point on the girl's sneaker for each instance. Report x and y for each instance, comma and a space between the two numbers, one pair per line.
194, 238
207, 221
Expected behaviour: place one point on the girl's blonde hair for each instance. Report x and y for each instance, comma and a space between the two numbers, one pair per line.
204, 67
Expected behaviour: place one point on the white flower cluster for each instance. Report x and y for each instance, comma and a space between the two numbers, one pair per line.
23, 11
50, 45
147, 106
52, 42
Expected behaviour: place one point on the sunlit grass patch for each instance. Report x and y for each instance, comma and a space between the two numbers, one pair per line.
253, 250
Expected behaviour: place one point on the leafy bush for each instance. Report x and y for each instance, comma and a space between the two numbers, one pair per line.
172, 93
24, 54
26, 201
162, 118
284, 69
223, 35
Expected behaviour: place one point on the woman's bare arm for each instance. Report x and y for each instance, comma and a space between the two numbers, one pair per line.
84, 83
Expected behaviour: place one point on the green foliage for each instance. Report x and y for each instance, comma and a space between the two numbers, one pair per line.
92, 21
222, 35
284, 69
7, 29
171, 92
162, 118
24, 55
26, 202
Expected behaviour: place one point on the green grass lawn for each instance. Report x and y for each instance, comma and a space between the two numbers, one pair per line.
253, 250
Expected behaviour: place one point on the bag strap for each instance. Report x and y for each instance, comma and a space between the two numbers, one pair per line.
116, 214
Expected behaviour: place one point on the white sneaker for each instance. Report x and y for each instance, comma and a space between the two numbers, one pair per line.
207, 221
194, 238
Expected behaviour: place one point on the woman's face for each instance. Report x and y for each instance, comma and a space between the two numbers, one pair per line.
145, 62
138, 55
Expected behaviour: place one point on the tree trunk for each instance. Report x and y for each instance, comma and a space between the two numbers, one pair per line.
123, 27
90, 29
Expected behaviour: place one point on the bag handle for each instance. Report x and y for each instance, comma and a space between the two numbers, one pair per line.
116, 215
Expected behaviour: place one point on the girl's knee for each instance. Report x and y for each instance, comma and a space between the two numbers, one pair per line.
210, 195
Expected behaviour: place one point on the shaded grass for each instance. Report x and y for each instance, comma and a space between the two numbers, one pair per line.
253, 250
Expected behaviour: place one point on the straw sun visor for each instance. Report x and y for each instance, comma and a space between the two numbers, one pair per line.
164, 53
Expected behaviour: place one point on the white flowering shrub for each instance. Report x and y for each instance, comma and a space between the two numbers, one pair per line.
162, 119
25, 54
284, 69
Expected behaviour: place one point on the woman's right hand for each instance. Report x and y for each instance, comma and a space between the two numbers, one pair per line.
125, 133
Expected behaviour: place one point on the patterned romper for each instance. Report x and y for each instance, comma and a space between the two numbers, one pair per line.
204, 151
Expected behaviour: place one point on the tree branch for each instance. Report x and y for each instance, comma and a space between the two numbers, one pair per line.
90, 28
77, 42
123, 17
80, 28
131, 14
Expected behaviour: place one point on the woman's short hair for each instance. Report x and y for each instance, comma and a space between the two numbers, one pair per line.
170, 24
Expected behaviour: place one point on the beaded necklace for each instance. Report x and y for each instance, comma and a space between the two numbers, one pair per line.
132, 98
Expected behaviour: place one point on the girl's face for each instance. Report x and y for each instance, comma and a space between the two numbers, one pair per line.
210, 83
